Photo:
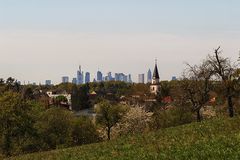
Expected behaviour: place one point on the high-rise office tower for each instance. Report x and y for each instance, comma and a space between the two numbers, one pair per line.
122, 77
48, 82
174, 78
87, 77
99, 76
149, 76
117, 77
74, 80
129, 78
80, 76
65, 79
109, 76
141, 78
125, 78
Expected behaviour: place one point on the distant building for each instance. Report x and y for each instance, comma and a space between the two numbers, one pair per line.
99, 76
174, 78
65, 79
74, 80
149, 76
53, 96
106, 78
129, 78
80, 76
155, 86
123, 78
19, 82
48, 82
117, 77
141, 78
109, 77
87, 77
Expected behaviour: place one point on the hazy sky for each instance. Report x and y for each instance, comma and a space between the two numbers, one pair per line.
47, 39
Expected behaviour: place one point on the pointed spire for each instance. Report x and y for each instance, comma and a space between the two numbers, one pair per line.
155, 73
80, 68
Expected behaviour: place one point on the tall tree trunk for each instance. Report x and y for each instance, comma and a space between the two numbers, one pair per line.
230, 106
109, 132
230, 103
199, 116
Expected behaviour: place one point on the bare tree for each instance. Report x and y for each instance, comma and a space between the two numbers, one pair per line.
224, 71
196, 85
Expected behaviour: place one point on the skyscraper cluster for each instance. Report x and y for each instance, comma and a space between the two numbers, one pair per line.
117, 77
79, 79
141, 77
82, 77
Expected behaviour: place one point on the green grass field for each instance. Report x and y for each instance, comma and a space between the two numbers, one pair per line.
212, 139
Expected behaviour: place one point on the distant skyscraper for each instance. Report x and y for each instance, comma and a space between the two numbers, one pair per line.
149, 76
87, 77
141, 78
117, 77
105, 78
174, 78
109, 76
129, 78
74, 80
19, 82
99, 76
48, 82
65, 79
80, 76
125, 78
122, 77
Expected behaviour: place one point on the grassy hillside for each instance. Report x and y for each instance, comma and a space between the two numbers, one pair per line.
213, 139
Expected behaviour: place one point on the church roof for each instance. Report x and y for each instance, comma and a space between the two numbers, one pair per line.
155, 73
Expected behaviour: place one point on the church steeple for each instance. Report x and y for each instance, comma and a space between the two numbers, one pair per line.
155, 72
155, 86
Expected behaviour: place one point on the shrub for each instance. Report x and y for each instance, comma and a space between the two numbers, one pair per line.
84, 131
175, 116
55, 128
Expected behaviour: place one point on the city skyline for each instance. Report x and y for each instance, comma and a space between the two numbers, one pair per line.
42, 40
79, 78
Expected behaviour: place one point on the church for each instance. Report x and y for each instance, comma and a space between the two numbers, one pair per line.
155, 86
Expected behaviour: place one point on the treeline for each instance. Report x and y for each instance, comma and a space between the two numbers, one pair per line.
26, 126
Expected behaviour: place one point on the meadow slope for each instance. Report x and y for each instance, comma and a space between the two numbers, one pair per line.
212, 139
